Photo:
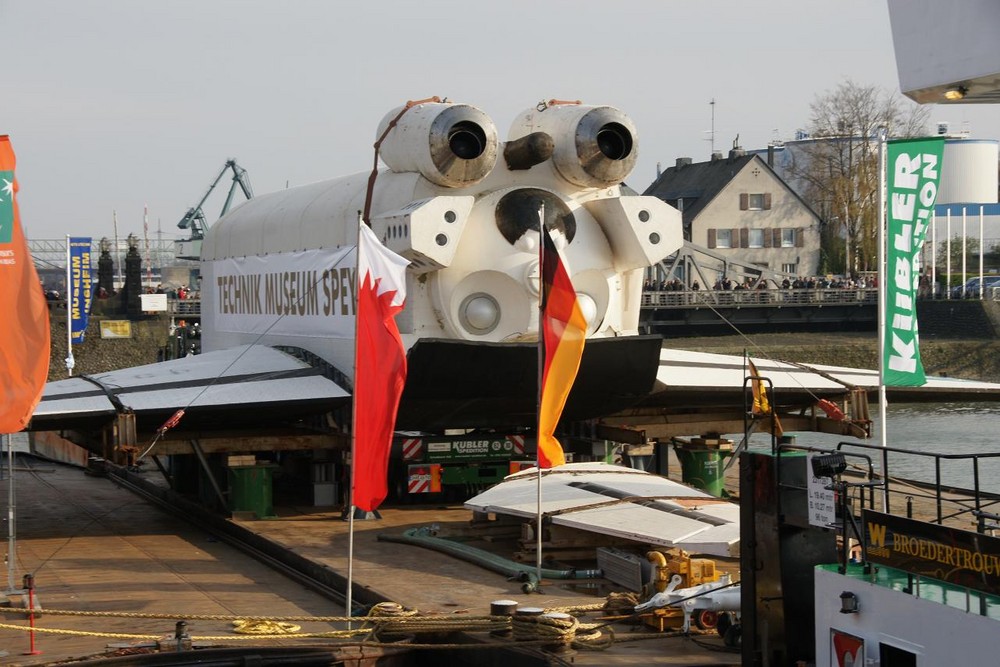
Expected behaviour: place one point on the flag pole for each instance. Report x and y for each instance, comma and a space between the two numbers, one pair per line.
118, 252
145, 234
11, 527
70, 362
882, 287
982, 287
934, 295
354, 429
538, 410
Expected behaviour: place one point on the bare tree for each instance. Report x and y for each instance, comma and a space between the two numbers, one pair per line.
839, 175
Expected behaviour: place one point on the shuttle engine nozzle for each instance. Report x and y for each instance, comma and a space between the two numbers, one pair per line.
451, 145
595, 146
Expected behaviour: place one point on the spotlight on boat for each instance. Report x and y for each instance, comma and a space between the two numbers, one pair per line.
829, 465
848, 603
956, 93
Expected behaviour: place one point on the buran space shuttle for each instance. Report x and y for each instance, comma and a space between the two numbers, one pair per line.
278, 286
278, 276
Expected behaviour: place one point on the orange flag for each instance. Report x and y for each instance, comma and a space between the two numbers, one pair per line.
761, 406
24, 338
564, 332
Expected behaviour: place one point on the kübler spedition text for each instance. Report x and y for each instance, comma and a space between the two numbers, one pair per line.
329, 292
910, 208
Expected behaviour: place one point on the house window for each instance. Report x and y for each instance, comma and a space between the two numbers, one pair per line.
724, 238
788, 238
756, 238
891, 656
790, 268
759, 201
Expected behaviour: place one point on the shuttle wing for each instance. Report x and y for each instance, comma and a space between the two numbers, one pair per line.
247, 383
705, 379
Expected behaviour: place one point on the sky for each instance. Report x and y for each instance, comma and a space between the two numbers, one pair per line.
113, 105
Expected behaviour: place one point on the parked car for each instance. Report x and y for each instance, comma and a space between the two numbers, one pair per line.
971, 288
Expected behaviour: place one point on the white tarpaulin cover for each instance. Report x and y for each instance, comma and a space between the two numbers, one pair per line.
657, 510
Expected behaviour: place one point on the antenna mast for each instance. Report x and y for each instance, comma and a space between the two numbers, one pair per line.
712, 133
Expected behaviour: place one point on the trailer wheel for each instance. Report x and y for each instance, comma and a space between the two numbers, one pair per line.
734, 636
723, 622
707, 619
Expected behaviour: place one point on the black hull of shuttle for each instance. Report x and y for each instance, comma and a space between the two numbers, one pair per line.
461, 384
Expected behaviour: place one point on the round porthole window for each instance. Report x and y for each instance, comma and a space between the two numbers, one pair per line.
479, 313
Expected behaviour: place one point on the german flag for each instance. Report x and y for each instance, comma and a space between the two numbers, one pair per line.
24, 351
761, 405
564, 331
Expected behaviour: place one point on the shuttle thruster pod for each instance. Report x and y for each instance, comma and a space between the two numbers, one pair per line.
451, 145
594, 146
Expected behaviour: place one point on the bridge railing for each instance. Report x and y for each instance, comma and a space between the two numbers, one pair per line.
759, 297
181, 307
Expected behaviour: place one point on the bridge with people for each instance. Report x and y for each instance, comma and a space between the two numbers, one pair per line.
713, 311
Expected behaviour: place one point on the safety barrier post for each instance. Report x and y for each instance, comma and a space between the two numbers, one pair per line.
29, 585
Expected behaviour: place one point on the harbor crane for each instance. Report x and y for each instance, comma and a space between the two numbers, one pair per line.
195, 220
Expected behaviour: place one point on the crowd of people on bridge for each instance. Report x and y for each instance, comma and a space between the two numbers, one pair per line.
181, 293
725, 283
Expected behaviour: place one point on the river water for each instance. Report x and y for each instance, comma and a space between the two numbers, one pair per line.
945, 428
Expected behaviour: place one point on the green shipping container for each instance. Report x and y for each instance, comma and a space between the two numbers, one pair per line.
250, 490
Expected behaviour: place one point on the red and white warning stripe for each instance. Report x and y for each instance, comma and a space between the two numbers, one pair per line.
413, 448
419, 484
518, 441
423, 478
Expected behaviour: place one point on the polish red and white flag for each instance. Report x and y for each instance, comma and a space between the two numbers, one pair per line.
380, 366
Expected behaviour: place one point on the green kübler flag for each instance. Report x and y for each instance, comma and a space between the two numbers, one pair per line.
6, 206
914, 168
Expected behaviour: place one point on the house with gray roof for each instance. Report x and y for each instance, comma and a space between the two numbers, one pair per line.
739, 207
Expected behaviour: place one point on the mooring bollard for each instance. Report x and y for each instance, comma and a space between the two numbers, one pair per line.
503, 608
29, 584
182, 637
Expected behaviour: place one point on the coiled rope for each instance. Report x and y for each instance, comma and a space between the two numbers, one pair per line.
382, 625
255, 627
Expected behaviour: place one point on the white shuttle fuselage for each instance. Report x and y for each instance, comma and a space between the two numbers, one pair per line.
464, 209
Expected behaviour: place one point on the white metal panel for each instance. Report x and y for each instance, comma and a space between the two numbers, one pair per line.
64, 388
969, 173
940, 45
589, 486
681, 368
940, 634
80, 406
243, 394
716, 541
238, 361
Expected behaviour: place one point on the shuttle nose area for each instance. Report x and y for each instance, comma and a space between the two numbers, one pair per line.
489, 292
